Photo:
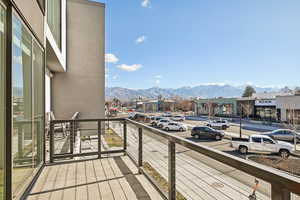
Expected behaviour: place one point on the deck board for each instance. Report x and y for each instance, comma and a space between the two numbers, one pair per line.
89, 180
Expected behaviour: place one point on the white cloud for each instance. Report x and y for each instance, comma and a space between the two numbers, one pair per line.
141, 39
115, 77
157, 81
158, 76
129, 68
146, 4
111, 58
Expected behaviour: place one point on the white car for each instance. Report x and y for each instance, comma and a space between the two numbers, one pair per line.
163, 122
131, 115
219, 124
178, 118
174, 126
167, 115
154, 121
262, 143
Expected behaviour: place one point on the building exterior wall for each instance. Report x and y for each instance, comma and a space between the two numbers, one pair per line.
286, 103
81, 88
219, 107
34, 15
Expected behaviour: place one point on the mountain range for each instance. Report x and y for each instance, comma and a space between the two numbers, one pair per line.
203, 91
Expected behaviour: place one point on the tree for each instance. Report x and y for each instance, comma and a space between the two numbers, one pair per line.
249, 91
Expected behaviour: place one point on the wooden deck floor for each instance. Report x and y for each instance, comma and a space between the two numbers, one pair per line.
112, 178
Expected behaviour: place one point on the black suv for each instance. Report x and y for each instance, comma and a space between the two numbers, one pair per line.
207, 133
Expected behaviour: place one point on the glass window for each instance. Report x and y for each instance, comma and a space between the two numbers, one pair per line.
22, 141
268, 141
28, 105
38, 102
54, 19
2, 97
256, 140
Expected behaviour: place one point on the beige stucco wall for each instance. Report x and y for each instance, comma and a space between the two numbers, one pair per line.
287, 103
81, 88
34, 16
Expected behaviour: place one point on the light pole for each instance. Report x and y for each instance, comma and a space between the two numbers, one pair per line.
241, 121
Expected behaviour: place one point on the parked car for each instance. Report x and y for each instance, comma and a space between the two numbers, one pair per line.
155, 120
131, 115
175, 126
262, 143
219, 124
163, 122
207, 132
179, 118
284, 134
167, 115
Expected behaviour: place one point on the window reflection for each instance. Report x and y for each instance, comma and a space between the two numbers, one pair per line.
22, 143
28, 115
54, 19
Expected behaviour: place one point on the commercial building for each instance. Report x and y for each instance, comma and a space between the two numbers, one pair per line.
288, 108
51, 59
160, 105
220, 107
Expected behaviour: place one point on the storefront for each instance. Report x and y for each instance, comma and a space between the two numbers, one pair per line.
217, 107
265, 109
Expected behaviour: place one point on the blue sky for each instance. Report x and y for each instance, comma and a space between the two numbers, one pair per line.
172, 43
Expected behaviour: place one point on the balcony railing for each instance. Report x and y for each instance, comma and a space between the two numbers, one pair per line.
179, 168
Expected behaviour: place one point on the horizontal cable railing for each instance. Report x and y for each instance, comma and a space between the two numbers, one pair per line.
84, 137
282, 184
160, 153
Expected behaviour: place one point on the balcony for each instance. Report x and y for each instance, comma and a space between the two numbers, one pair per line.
133, 161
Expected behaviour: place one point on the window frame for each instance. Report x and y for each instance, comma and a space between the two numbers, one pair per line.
42, 7
37, 168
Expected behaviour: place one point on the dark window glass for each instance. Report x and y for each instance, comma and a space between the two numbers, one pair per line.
256, 140
268, 141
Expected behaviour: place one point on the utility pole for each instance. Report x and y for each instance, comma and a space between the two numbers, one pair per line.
241, 121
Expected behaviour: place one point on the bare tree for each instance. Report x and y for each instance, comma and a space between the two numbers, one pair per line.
247, 108
211, 106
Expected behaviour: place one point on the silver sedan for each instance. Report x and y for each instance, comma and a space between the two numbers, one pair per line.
284, 134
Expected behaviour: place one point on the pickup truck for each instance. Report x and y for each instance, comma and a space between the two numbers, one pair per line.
262, 143
219, 124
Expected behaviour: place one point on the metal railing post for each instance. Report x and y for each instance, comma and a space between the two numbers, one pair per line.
71, 137
279, 193
99, 139
172, 171
140, 156
125, 136
51, 142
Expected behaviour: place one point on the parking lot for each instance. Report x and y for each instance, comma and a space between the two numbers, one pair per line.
223, 145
